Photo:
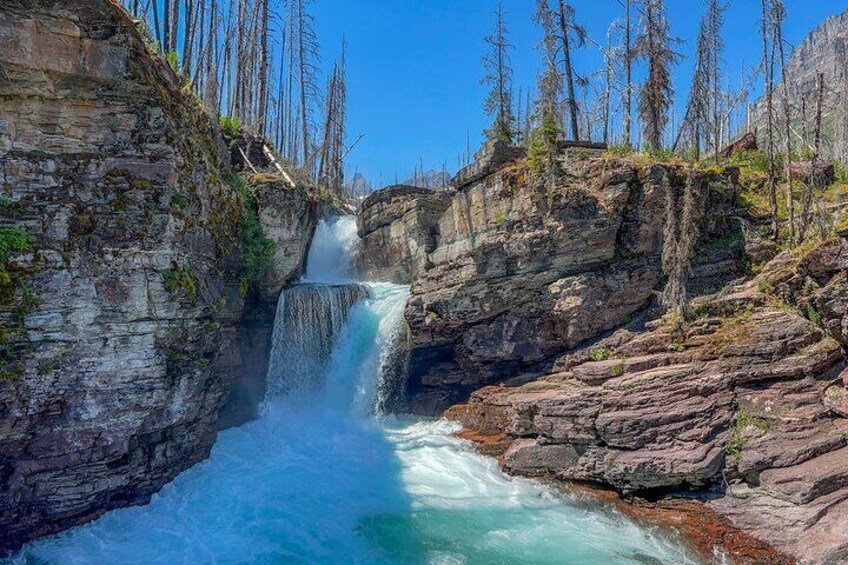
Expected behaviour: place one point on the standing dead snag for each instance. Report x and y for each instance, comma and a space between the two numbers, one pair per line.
777, 17
498, 68
627, 95
331, 158
769, 12
568, 31
702, 123
815, 181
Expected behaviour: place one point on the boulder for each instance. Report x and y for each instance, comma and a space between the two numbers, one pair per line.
489, 159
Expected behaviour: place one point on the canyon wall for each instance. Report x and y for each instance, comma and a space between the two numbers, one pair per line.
125, 319
508, 274
743, 407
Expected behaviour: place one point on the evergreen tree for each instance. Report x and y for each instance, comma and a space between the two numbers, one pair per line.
654, 43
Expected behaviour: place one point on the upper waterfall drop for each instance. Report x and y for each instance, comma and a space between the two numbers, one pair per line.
332, 256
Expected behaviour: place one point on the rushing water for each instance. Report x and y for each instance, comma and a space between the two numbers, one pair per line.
323, 478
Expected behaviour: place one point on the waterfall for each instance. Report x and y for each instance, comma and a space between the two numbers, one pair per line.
310, 316
309, 320
333, 251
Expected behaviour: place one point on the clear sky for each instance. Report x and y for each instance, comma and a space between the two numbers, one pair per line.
414, 66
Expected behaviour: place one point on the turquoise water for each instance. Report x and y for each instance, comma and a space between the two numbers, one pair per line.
321, 478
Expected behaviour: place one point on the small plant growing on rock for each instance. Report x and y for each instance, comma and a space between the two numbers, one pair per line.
743, 425
179, 203
619, 369
813, 315
229, 126
432, 316
676, 347
178, 279
12, 240
600, 354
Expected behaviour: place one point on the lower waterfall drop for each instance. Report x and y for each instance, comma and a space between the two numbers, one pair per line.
323, 477
309, 320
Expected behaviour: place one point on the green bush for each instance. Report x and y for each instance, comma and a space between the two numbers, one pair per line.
179, 203
230, 126
256, 248
661, 155
172, 59
750, 160
543, 143
12, 240
620, 150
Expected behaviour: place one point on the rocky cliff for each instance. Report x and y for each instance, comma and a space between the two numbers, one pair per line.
743, 406
128, 314
507, 274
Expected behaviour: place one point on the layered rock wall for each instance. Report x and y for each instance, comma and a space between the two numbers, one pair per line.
512, 274
733, 405
122, 324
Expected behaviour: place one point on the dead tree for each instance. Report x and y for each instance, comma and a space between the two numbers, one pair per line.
813, 184
768, 64
627, 93
570, 33
305, 47
777, 16
498, 75
331, 163
697, 107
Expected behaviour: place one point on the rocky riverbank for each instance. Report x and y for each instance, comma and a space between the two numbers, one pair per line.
128, 312
735, 409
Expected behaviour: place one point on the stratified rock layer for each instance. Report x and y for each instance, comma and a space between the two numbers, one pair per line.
742, 402
122, 329
508, 274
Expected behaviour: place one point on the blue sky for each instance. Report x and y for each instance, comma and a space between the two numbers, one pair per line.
414, 66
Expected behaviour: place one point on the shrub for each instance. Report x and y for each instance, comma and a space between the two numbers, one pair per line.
230, 126
813, 315
543, 143
179, 203
621, 150
256, 248
12, 240
172, 59
620, 367
750, 161
661, 155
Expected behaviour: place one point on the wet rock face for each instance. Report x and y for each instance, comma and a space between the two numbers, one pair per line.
120, 327
509, 275
750, 396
